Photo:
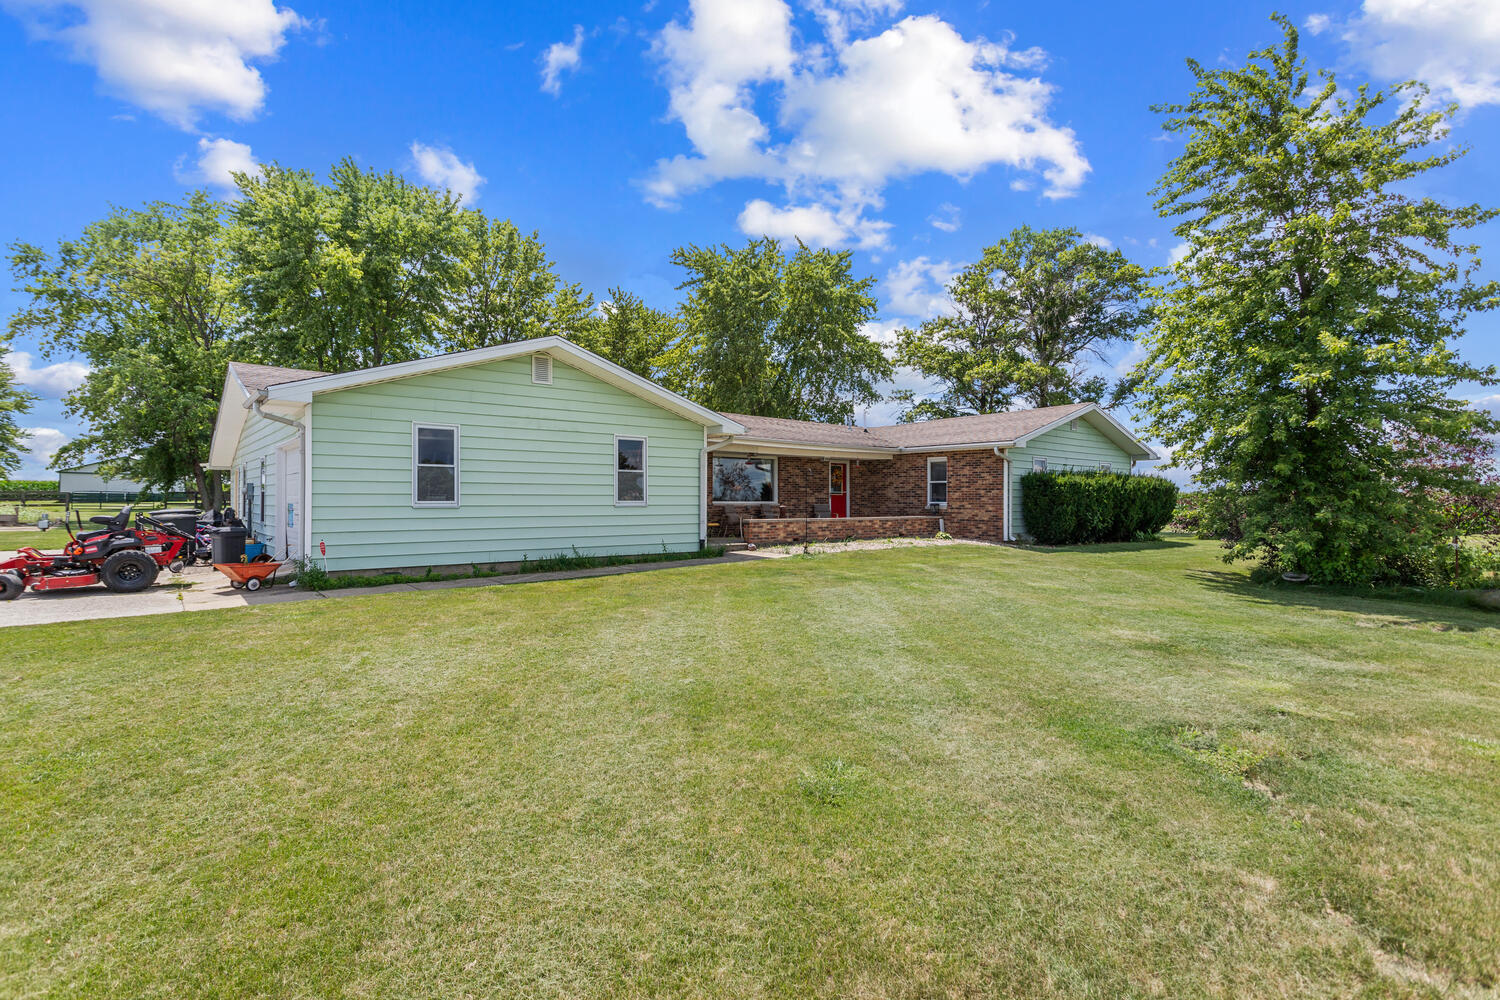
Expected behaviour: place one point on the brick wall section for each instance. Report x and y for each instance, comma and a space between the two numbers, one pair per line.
897, 488
976, 490
790, 530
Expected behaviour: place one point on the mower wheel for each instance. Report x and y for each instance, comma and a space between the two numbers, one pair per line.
129, 572
11, 586
236, 584
176, 565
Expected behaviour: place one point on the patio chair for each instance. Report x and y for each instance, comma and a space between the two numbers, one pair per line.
822, 510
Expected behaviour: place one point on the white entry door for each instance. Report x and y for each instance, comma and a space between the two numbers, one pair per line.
289, 511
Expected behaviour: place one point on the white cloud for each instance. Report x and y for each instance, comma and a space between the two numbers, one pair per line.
442, 168
850, 116
1103, 242
838, 17
918, 288
882, 331
815, 225
41, 443
176, 58
1178, 254
1450, 45
50, 380
1316, 23
218, 161
561, 57
947, 218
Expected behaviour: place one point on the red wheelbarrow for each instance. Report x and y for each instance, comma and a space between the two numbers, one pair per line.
249, 575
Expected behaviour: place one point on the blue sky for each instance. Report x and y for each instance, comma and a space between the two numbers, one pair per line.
914, 132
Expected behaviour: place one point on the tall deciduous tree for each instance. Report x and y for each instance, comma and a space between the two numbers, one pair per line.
632, 334
506, 289
348, 274
1308, 333
14, 401
777, 335
1028, 317
146, 299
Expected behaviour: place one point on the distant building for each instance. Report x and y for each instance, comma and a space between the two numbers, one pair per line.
86, 479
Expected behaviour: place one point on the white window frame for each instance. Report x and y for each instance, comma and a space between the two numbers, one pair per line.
947, 471
1106, 467
775, 478
1038, 465
614, 463
457, 475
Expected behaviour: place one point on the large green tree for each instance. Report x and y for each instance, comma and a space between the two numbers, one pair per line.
14, 401
632, 335
506, 289
146, 299
1309, 331
777, 335
1028, 318
347, 274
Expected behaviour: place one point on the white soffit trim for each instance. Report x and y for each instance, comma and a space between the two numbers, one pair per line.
302, 391
759, 446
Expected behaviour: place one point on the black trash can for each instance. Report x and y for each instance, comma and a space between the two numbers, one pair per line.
185, 521
229, 543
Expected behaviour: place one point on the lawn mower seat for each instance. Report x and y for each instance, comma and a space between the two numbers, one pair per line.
117, 523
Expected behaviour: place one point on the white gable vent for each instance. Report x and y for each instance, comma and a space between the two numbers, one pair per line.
541, 369
1073, 424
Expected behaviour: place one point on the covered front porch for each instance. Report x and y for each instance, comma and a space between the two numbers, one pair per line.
769, 496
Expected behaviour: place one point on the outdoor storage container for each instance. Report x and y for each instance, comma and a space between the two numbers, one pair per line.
185, 521
229, 544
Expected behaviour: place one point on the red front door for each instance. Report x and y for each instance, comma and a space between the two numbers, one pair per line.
838, 489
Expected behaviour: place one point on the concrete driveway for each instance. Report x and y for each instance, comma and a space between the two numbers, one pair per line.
203, 588
197, 588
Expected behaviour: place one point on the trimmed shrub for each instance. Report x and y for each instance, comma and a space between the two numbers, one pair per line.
1071, 508
28, 486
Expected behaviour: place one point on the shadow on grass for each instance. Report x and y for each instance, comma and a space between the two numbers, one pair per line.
1419, 608
1102, 548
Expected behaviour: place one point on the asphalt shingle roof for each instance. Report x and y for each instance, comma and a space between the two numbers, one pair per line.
976, 429
258, 377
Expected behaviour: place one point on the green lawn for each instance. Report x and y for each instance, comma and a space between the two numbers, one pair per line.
49, 541
922, 772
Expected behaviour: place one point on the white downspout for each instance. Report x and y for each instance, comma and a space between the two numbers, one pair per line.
1004, 494
254, 405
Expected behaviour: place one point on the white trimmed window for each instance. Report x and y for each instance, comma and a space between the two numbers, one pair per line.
434, 465
937, 481
1038, 465
744, 480
630, 471
1105, 467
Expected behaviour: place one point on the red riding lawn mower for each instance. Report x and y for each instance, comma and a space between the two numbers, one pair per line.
125, 559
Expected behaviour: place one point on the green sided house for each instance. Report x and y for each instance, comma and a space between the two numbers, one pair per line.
540, 447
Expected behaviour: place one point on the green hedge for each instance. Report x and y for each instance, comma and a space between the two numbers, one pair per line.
28, 485
1071, 508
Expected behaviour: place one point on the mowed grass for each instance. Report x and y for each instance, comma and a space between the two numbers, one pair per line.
923, 772
52, 540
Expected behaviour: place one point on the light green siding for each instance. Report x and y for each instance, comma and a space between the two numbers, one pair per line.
1064, 448
258, 443
536, 470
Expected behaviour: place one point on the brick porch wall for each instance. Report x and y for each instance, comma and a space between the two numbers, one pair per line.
790, 530
897, 488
